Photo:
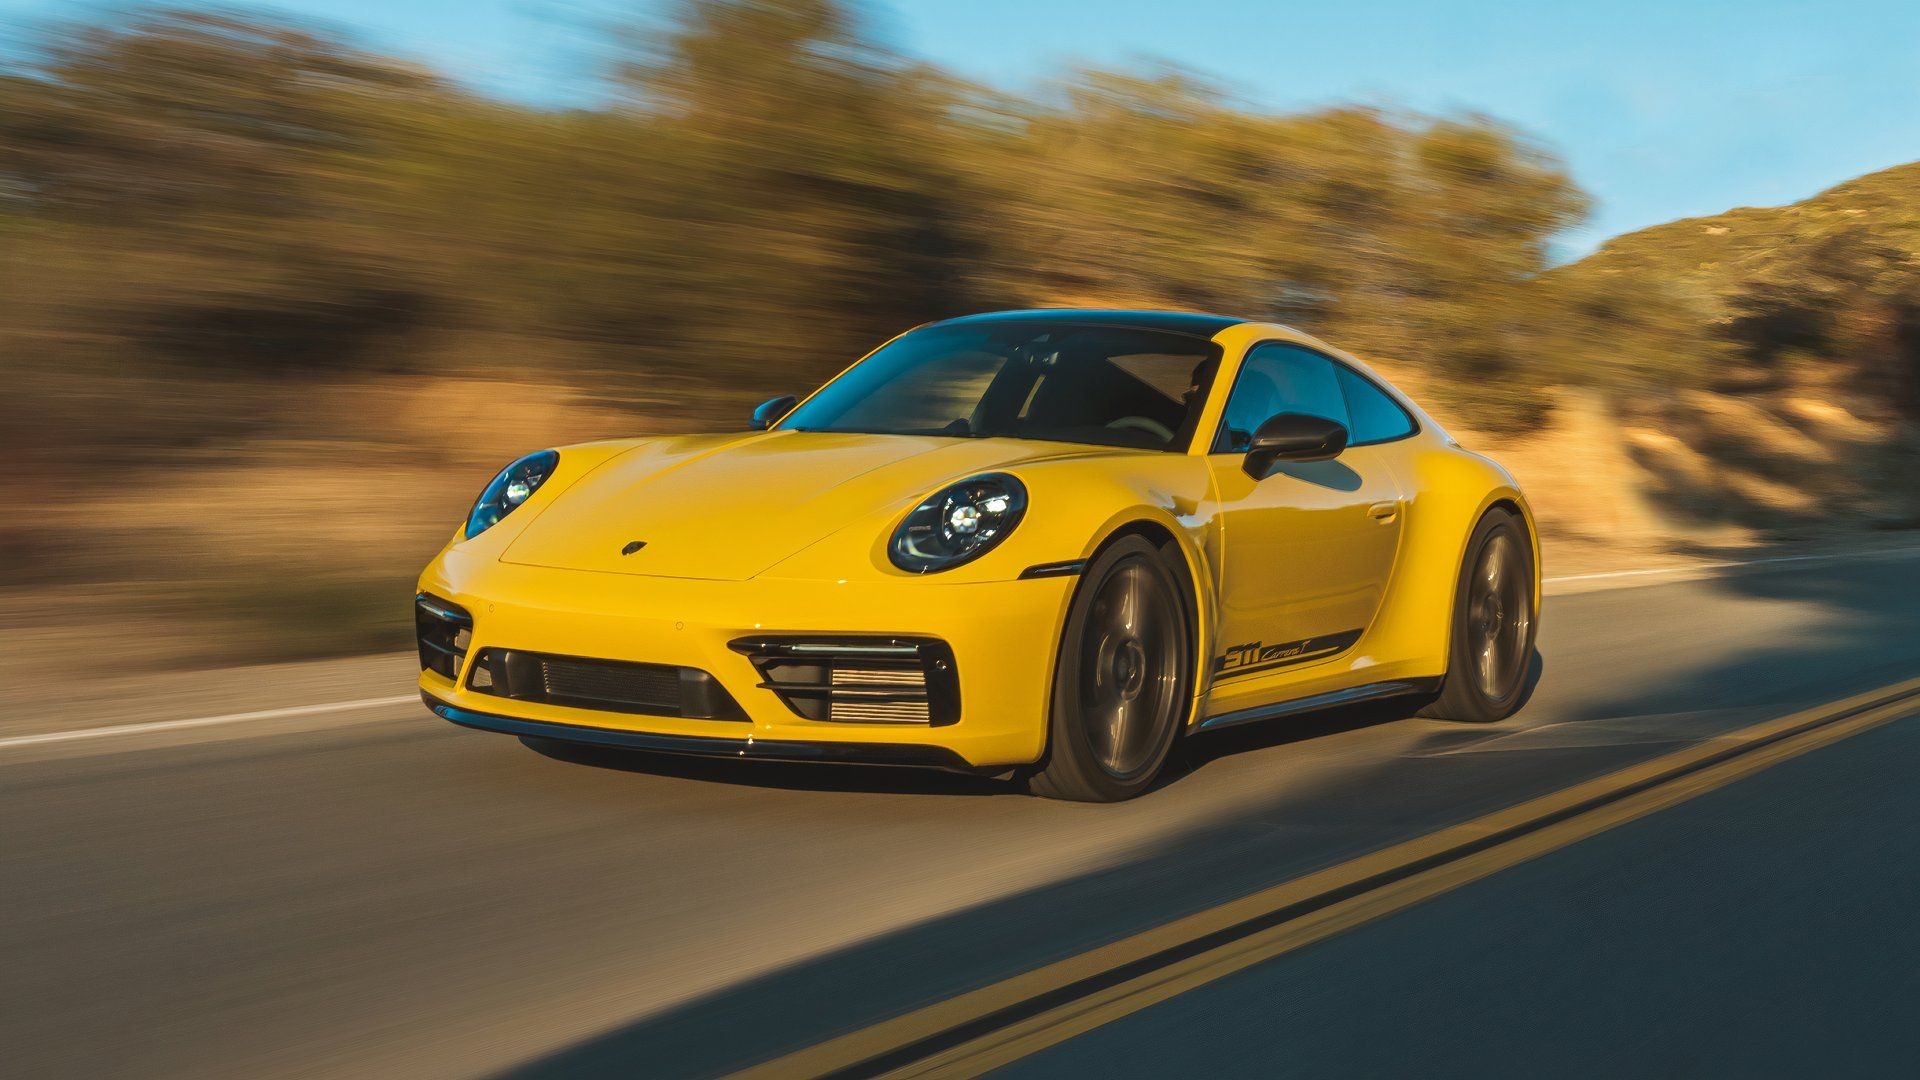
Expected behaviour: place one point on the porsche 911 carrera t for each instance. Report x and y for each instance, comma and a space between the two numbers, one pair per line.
1048, 543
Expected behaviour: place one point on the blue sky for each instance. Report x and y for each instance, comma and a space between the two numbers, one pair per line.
1661, 110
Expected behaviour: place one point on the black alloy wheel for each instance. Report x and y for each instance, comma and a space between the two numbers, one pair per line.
1490, 654
1123, 683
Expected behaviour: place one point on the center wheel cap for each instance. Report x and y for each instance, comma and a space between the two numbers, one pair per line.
1129, 668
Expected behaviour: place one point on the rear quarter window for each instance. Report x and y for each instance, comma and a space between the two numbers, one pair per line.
1373, 416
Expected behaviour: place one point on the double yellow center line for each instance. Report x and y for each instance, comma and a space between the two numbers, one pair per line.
989, 1027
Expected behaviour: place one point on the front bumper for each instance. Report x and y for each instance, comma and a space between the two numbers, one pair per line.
1004, 637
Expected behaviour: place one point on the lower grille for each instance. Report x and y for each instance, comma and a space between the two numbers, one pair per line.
892, 680
641, 684
606, 685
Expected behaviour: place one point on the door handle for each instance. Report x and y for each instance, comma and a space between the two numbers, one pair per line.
1383, 512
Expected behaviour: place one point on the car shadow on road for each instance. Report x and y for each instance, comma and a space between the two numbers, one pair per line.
1193, 753
787, 776
1203, 748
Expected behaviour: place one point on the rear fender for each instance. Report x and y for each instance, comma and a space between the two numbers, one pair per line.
1452, 490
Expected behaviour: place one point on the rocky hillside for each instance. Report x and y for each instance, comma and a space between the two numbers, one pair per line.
1719, 257
1796, 389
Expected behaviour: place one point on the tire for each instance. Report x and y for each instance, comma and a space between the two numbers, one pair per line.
1490, 647
1124, 680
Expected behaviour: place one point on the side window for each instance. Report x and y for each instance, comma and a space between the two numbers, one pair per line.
1376, 417
1277, 378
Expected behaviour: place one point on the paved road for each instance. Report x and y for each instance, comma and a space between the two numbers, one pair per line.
1765, 929
387, 894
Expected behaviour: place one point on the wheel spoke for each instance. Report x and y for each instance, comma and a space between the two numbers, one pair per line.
1500, 611
1129, 669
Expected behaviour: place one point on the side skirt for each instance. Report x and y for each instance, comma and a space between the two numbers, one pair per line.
1353, 695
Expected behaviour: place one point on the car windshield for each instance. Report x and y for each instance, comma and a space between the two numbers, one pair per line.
1064, 382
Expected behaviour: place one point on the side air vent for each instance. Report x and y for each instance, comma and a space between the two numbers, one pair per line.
444, 632
606, 685
890, 680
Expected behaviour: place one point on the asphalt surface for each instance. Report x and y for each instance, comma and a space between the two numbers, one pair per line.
1763, 929
384, 894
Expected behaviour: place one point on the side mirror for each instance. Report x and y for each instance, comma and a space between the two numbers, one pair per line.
1293, 437
771, 410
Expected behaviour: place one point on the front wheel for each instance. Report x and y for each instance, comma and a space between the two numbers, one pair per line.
1490, 651
1123, 682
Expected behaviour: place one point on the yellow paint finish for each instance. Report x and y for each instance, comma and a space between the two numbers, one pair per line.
786, 531
1304, 551
688, 622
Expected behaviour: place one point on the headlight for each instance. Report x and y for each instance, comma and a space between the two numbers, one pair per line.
515, 484
958, 524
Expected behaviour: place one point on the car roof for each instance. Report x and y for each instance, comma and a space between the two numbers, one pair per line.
1177, 322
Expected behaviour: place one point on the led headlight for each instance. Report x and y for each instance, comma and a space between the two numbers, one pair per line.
958, 524
515, 484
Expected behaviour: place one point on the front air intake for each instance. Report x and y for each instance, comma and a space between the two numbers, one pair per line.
654, 686
443, 632
890, 680
900, 696
605, 685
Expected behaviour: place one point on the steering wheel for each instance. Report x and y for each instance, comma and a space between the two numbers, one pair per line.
1142, 423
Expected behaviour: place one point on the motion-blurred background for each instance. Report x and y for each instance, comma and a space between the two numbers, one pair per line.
275, 304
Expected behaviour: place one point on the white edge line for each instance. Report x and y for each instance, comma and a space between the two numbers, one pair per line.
371, 703
205, 721
1686, 567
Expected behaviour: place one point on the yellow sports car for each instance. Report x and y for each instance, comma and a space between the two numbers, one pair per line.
1049, 542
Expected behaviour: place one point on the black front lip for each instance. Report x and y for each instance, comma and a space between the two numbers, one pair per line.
748, 749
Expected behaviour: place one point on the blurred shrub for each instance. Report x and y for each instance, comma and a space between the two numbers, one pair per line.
1843, 307
216, 200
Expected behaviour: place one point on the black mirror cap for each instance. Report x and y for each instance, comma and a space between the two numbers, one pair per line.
771, 410
1294, 437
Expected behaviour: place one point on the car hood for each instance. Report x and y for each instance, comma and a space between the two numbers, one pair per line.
731, 507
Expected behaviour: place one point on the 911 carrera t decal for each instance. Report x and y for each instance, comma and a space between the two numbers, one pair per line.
1257, 656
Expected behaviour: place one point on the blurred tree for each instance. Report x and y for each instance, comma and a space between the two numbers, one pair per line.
809, 211
180, 113
188, 167
1848, 299
768, 193
1396, 236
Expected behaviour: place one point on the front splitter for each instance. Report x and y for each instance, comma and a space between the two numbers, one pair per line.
743, 749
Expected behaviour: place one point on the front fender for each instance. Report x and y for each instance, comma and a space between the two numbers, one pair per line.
1075, 507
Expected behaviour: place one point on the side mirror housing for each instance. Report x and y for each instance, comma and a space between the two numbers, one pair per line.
771, 410
1293, 437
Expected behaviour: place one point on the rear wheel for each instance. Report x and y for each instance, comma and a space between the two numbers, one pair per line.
1124, 679
1491, 651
